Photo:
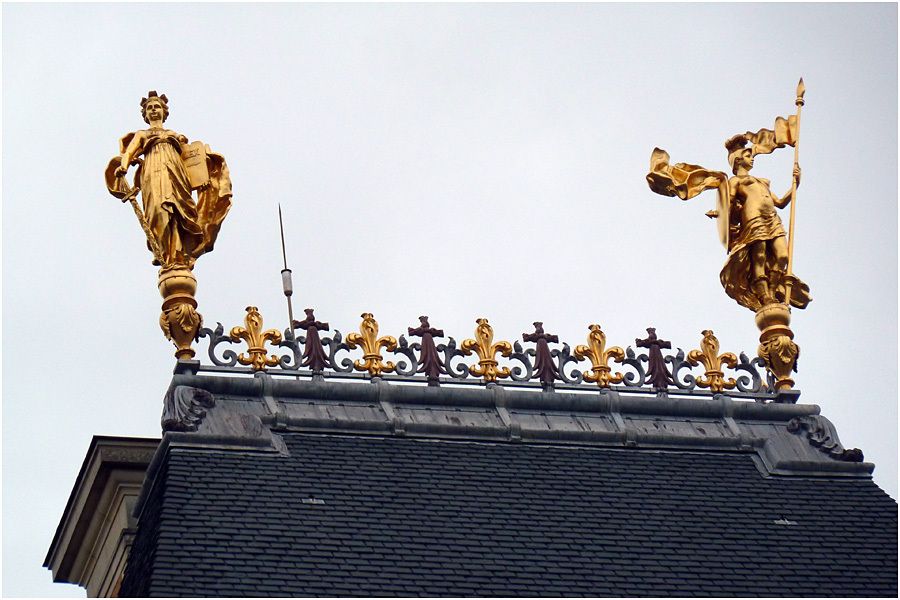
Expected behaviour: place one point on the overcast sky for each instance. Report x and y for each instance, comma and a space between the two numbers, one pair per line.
459, 161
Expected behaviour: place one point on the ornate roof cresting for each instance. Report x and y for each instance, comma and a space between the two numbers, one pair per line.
544, 368
657, 374
600, 356
313, 354
487, 350
429, 361
256, 339
549, 364
371, 345
714, 362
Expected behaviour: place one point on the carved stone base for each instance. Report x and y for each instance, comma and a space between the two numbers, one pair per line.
776, 343
179, 320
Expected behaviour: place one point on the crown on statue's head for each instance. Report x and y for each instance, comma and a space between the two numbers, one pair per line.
152, 94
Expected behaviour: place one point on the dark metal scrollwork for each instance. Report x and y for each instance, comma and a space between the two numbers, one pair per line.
450, 351
563, 357
401, 366
678, 362
229, 357
517, 373
288, 341
754, 383
335, 344
639, 376
304, 350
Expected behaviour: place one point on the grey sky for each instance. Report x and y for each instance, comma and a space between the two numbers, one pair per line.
457, 161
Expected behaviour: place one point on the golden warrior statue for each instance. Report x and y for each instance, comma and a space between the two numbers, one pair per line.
178, 228
758, 271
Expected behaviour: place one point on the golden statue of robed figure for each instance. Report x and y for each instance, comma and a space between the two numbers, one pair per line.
178, 228
758, 271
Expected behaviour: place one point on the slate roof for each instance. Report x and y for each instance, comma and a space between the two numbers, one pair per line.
351, 505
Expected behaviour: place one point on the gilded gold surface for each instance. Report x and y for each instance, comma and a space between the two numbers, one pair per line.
179, 320
600, 356
757, 263
486, 349
755, 272
801, 91
252, 333
177, 227
371, 344
758, 272
708, 354
776, 343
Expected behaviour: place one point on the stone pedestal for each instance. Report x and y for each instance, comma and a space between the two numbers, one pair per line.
776, 343
179, 320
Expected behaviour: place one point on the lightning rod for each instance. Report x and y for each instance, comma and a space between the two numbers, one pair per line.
286, 283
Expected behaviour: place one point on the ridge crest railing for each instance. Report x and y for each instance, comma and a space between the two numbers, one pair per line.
546, 363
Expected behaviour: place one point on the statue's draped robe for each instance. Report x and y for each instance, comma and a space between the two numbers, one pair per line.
184, 229
760, 225
166, 195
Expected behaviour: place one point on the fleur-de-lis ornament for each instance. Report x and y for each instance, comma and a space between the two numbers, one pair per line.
598, 353
486, 349
713, 362
371, 344
256, 339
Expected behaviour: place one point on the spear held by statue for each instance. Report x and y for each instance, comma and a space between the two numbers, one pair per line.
789, 284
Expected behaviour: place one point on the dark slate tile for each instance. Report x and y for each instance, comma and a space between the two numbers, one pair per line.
408, 517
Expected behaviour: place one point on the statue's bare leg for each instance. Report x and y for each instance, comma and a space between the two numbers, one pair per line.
780, 248
776, 279
758, 282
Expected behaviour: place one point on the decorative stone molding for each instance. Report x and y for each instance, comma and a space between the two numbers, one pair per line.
822, 435
609, 418
184, 408
94, 536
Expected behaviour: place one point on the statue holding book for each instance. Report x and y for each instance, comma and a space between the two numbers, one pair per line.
169, 170
178, 227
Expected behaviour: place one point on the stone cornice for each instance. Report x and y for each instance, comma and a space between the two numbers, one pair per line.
88, 544
494, 413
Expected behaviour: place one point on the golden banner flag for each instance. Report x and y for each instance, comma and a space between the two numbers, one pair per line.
766, 141
681, 179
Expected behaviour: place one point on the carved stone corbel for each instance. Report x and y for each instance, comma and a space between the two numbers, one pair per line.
184, 408
822, 435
